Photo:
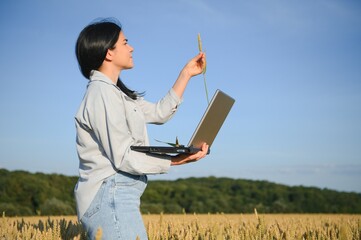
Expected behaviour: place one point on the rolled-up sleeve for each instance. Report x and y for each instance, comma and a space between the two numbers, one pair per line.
163, 110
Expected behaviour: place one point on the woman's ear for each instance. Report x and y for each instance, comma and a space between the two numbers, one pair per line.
109, 55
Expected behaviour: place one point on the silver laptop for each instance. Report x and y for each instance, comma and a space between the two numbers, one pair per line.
206, 131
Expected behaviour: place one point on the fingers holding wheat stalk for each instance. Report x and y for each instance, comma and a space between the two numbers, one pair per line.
204, 67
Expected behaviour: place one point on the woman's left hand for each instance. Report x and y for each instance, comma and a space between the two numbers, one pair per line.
187, 158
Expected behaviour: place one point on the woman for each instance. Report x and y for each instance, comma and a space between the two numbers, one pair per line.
110, 119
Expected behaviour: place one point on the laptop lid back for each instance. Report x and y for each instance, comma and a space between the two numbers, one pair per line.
212, 119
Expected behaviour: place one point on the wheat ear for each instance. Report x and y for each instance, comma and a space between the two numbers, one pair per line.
204, 67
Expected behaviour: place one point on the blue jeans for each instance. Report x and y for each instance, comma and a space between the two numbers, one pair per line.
115, 208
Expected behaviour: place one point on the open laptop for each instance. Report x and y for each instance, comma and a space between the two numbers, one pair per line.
206, 131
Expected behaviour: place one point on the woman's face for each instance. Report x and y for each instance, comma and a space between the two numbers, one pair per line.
123, 53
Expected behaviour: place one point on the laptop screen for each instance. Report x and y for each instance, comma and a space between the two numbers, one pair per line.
212, 119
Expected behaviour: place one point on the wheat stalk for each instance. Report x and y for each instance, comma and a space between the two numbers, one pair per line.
198, 226
204, 67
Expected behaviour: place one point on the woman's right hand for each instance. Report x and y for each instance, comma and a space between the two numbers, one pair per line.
194, 67
188, 158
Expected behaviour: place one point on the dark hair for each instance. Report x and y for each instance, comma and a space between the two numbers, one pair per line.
92, 46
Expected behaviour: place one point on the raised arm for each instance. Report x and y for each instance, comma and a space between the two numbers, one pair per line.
192, 68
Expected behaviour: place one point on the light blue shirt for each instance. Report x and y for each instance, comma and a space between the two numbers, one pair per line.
108, 122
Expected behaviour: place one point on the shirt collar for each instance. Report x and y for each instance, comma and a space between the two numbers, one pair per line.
99, 76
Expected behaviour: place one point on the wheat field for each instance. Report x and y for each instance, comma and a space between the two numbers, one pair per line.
200, 226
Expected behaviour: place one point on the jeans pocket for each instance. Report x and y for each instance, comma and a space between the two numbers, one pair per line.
96, 203
130, 181
127, 179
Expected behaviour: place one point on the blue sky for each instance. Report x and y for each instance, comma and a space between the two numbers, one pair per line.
294, 68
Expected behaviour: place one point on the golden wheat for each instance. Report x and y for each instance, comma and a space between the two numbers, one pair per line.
200, 226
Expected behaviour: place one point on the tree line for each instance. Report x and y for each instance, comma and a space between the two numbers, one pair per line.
24, 194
